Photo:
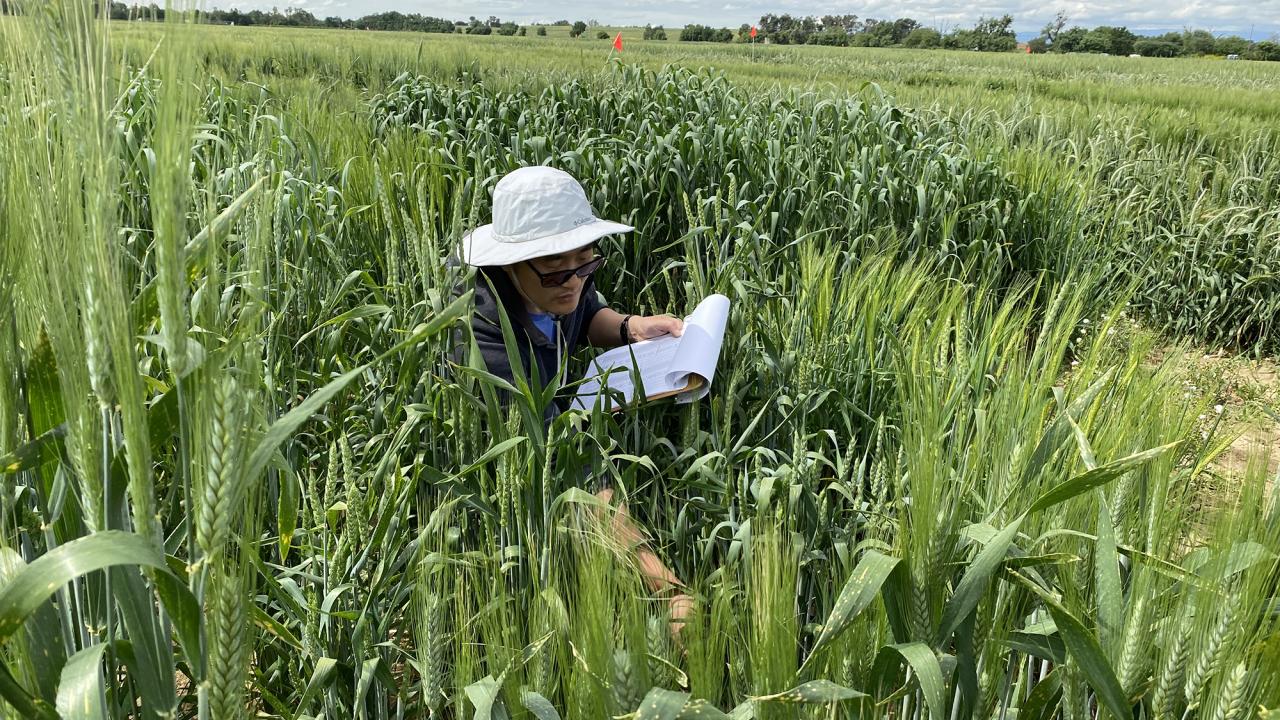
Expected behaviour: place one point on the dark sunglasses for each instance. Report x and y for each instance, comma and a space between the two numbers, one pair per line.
560, 277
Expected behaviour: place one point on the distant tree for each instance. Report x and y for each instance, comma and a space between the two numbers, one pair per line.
561, 22
479, 30
542, 31
1265, 50
1230, 45
1197, 42
1109, 40
835, 36
508, 29
989, 35
996, 34
578, 28
705, 33
1055, 27
848, 23
1039, 45
602, 35
654, 32
593, 23
787, 30
923, 38
1151, 47
883, 33
521, 32
1069, 40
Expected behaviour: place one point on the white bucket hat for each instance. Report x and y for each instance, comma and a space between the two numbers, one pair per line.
537, 211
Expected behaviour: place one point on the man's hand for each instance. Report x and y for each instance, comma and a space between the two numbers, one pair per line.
645, 327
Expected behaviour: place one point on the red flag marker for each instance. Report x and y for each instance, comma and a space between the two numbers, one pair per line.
617, 43
753, 31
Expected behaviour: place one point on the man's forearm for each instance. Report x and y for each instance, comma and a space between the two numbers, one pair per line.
603, 331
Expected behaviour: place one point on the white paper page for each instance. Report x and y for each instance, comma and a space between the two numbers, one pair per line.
699, 349
652, 357
664, 363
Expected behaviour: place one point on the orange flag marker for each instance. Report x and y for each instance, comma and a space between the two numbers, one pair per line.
617, 42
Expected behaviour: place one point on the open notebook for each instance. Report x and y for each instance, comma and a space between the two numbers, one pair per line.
668, 366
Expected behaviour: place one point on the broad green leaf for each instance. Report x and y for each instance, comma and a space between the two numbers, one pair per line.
358, 313
976, 580
860, 590
493, 453
81, 692
35, 583
928, 672
151, 667
483, 695
1043, 703
539, 705
287, 510
1083, 647
1058, 431
33, 454
1046, 647
1097, 477
661, 704
814, 691
184, 612
222, 223
700, 709
368, 670
43, 630
1082, 445
284, 427
320, 679
1108, 592
27, 706
576, 496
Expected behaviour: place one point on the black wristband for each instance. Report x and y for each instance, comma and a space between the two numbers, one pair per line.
624, 330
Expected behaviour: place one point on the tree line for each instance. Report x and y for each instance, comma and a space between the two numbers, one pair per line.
1056, 37
988, 35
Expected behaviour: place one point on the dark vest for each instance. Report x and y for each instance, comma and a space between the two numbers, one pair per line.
550, 354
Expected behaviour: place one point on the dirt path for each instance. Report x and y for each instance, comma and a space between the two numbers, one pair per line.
1250, 397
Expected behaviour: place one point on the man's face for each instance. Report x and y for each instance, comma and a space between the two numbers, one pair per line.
559, 300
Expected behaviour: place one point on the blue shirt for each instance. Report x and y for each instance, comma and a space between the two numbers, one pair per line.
546, 323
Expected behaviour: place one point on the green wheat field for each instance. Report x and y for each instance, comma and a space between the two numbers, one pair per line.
960, 459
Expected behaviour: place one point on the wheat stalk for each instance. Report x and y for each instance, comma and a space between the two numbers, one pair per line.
223, 483
228, 640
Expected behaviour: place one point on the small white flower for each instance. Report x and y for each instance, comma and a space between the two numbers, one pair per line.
1074, 363
1085, 321
1218, 409
1204, 435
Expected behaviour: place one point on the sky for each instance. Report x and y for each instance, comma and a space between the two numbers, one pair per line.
1238, 17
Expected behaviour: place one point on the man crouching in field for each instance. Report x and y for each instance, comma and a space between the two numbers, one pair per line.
535, 262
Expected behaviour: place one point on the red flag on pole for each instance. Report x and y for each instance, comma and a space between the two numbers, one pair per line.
753, 31
617, 43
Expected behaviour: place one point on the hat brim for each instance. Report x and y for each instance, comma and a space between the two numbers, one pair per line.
482, 248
